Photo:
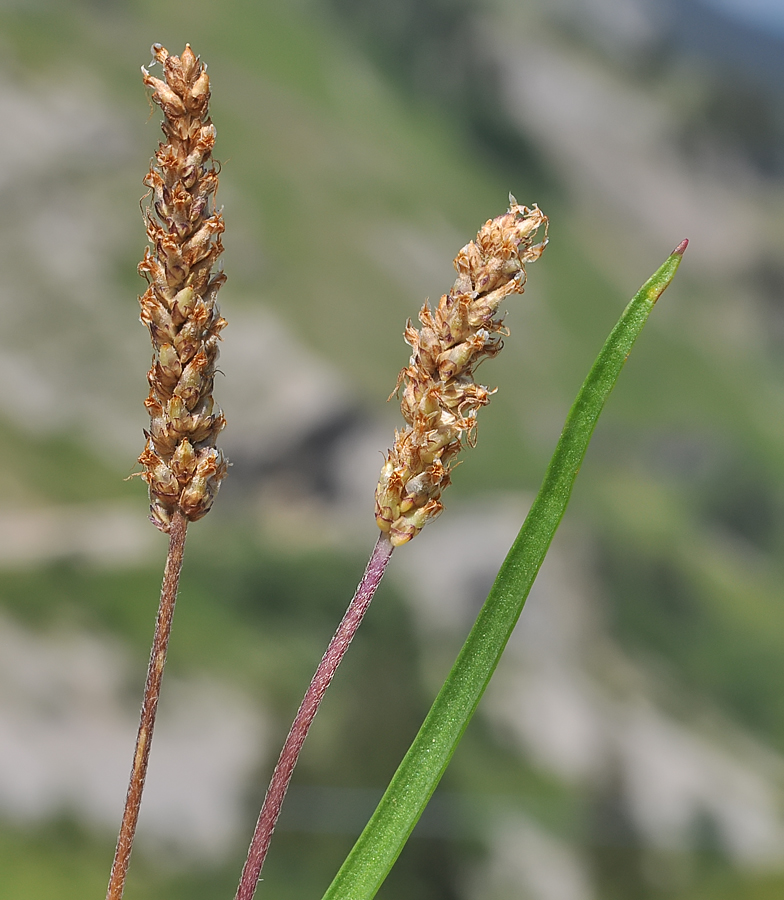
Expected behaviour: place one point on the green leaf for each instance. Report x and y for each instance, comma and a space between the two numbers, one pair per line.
380, 843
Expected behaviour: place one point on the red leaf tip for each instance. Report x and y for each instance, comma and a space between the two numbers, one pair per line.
680, 249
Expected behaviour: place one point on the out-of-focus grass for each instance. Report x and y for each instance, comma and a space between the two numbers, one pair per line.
58, 860
707, 604
55, 469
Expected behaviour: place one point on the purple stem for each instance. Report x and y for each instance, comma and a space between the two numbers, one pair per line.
287, 760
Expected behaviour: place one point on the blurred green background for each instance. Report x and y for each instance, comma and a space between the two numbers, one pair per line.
632, 742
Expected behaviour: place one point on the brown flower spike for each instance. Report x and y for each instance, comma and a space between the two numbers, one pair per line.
182, 466
440, 397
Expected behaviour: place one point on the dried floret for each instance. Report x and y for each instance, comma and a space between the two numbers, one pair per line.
181, 464
440, 397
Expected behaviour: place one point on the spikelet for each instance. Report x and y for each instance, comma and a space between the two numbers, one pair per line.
440, 397
182, 466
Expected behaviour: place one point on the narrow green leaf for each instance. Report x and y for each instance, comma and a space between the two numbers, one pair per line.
380, 843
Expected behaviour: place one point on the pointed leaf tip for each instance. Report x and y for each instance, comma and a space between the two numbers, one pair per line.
681, 248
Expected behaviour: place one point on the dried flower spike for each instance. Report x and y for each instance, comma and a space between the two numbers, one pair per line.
440, 397
182, 466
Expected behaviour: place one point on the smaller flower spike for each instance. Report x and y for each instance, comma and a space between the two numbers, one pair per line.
440, 397
182, 466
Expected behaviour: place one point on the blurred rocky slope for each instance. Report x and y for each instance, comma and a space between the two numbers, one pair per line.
631, 744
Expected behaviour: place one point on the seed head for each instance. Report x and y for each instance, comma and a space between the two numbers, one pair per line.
440, 397
182, 466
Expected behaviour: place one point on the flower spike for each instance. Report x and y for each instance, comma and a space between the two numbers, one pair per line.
182, 466
440, 397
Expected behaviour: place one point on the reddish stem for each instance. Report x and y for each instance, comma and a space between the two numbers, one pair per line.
152, 690
287, 760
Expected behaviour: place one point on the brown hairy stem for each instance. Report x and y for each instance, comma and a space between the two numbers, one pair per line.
306, 713
152, 690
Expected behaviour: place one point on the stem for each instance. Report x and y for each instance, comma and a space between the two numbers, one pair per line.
152, 690
306, 713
